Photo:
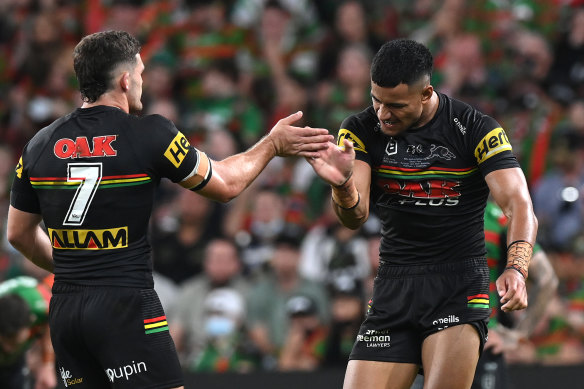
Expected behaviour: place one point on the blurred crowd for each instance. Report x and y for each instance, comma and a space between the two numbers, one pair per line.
271, 281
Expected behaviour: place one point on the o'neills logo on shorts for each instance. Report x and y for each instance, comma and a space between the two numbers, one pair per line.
126, 371
375, 338
112, 238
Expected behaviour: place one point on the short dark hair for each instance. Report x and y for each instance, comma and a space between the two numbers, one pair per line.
15, 316
401, 61
97, 55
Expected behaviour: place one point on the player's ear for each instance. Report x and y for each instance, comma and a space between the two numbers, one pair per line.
125, 81
427, 93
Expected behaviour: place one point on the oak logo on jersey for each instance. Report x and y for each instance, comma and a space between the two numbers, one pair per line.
346, 134
177, 150
79, 148
426, 189
493, 143
113, 238
19, 167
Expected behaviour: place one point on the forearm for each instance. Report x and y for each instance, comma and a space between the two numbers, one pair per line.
351, 218
25, 234
521, 237
37, 248
349, 205
233, 174
522, 223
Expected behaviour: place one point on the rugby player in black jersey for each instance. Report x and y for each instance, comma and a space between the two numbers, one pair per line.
91, 177
426, 162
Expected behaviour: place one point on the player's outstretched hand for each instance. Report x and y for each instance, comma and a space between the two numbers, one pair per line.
290, 140
511, 289
334, 164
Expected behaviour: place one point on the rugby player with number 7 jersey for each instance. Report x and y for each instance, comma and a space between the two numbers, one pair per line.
91, 177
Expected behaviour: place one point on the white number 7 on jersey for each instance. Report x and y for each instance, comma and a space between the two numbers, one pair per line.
90, 176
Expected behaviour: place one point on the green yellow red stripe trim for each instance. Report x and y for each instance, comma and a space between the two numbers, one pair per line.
106, 181
478, 301
156, 324
394, 171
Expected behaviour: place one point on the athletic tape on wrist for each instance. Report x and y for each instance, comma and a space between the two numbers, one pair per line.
518, 256
349, 208
346, 196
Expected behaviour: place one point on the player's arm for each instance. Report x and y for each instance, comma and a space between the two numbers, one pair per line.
233, 174
27, 236
354, 216
349, 179
509, 189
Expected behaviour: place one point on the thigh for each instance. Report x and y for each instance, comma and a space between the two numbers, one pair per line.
388, 333
379, 375
449, 357
74, 362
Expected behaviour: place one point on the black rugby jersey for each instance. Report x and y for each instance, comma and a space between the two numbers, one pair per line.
427, 184
92, 175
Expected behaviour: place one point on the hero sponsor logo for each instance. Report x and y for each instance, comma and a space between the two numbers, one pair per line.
493, 143
375, 338
68, 379
426, 192
450, 319
79, 148
126, 371
113, 238
177, 150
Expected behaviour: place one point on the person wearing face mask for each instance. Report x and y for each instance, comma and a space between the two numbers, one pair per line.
226, 346
303, 349
221, 269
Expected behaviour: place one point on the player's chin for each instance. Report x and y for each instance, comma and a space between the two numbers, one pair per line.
393, 129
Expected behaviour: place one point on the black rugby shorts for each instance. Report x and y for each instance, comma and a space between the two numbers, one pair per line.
112, 337
412, 302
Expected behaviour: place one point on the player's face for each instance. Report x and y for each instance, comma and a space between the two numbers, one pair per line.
401, 107
135, 91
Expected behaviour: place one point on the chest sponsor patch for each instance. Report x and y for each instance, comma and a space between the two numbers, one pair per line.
81, 147
493, 143
346, 134
113, 238
177, 150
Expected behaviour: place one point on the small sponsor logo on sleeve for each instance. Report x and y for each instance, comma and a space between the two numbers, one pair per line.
177, 150
346, 134
493, 143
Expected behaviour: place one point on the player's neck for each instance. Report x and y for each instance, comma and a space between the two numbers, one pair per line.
429, 111
110, 100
